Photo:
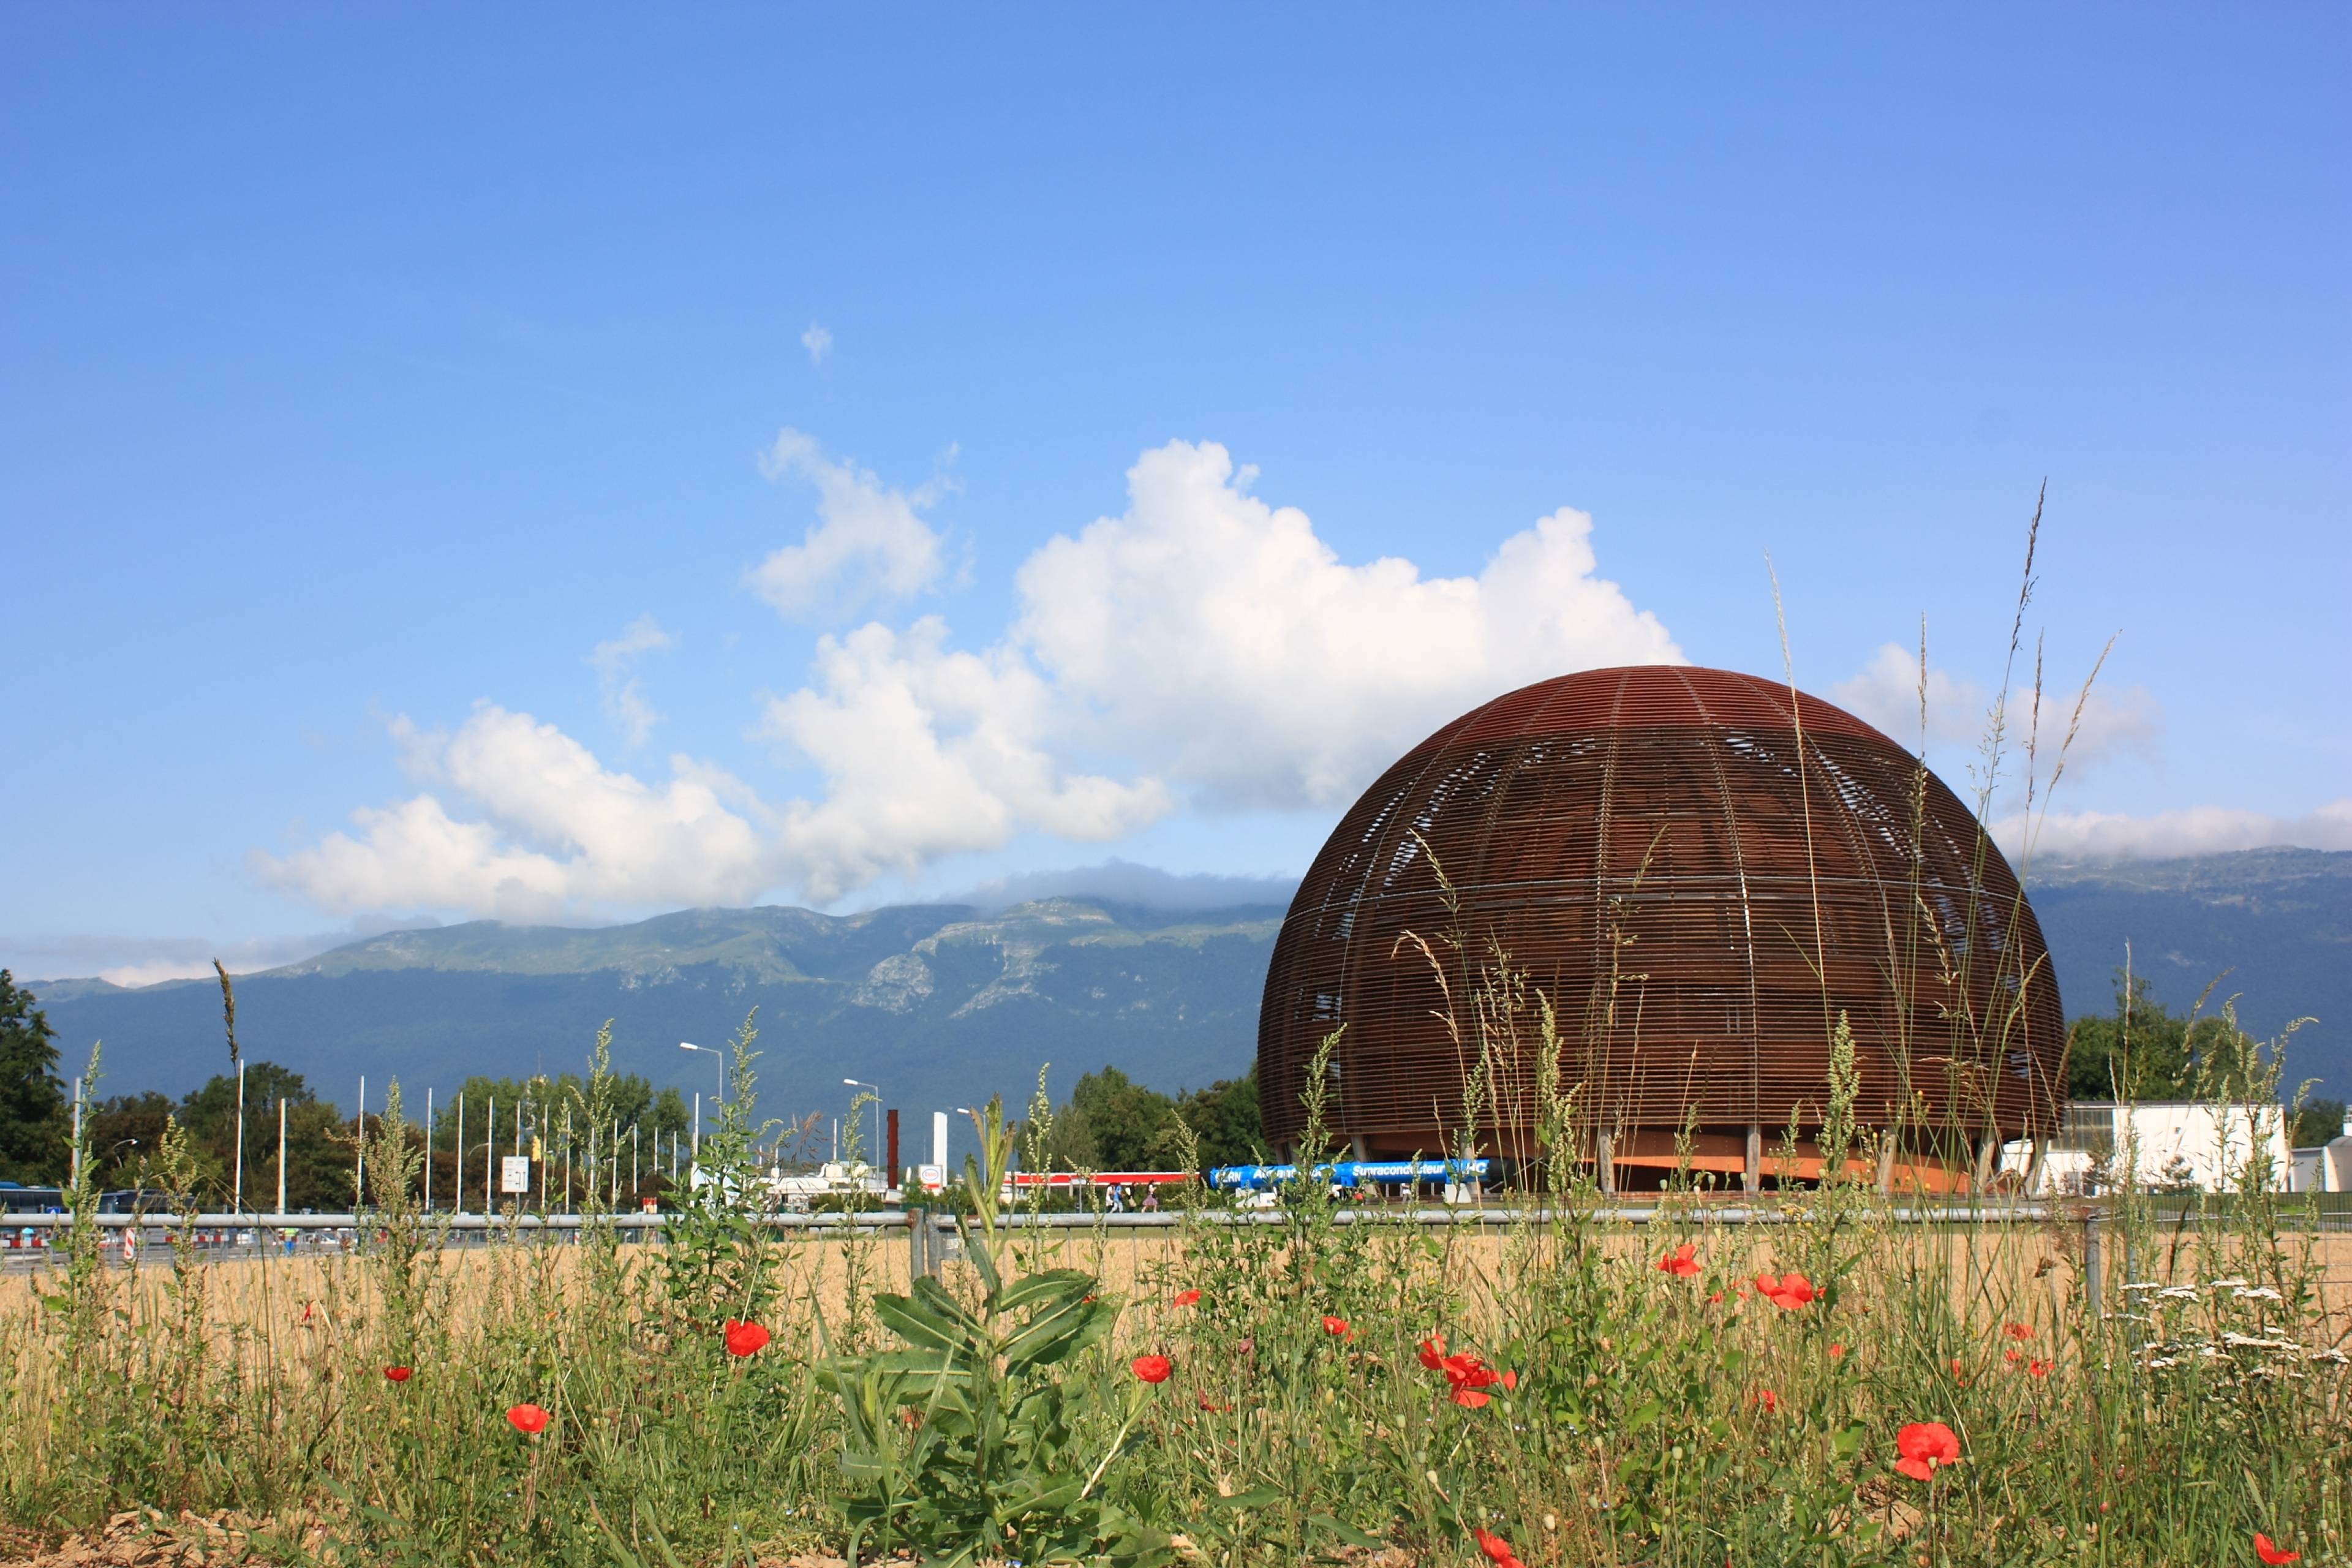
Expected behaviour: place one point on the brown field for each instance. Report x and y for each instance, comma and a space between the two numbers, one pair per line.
268, 1298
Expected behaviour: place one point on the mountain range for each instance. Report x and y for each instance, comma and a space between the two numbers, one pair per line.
943, 1005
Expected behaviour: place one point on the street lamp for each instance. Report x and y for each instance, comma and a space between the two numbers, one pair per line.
877, 1088
711, 1051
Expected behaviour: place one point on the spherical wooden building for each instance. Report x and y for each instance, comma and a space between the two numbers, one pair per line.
1700, 873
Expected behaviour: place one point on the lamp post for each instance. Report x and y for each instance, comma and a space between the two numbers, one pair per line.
877, 1153
711, 1051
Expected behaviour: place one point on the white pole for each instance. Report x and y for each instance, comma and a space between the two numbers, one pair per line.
458, 1164
614, 1200
237, 1202
489, 1141
358, 1171
428, 1149
637, 1141
940, 1142
697, 1124
837, 1140
76, 1177
281, 1154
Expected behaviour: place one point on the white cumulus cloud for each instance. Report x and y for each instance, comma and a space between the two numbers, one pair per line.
616, 677
870, 541
556, 831
818, 341
1203, 648
1220, 639
928, 753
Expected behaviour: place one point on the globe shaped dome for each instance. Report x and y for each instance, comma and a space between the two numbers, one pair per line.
1698, 875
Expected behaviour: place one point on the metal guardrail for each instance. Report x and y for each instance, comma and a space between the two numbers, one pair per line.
899, 1218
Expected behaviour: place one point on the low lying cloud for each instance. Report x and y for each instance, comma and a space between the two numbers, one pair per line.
2198, 830
133, 961
1202, 650
1125, 882
870, 541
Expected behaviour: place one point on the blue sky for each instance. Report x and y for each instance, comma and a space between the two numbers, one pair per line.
369, 368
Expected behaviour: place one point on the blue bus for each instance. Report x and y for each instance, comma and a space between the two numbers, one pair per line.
1351, 1173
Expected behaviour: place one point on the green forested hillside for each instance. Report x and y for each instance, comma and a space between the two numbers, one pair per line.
939, 1005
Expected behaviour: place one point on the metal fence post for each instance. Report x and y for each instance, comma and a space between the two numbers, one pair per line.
922, 1246
2091, 1259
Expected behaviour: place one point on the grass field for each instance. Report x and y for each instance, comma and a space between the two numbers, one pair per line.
1678, 1414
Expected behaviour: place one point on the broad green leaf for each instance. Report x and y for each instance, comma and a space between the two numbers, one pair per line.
922, 1328
1052, 1335
1051, 1285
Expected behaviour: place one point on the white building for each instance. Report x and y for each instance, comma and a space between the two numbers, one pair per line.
2328, 1167
2180, 1146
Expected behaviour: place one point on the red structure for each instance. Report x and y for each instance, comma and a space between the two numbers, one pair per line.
1700, 873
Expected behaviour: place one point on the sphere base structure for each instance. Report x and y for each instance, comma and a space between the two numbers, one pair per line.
1631, 905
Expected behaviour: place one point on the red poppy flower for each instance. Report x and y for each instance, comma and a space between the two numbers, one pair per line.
745, 1339
1338, 1328
528, 1419
1468, 1377
1716, 1299
1681, 1262
1768, 1402
2018, 1332
1787, 1291
1432, 1352
2271, 1553
1498, 1550
1511, 1382
2012, 1356
1153, 1368
1836, 1350
399, 1373
2038, 1368
1926, 1446
1184, 1297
